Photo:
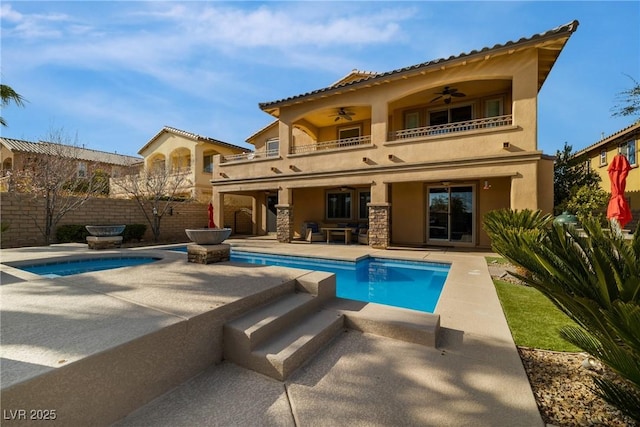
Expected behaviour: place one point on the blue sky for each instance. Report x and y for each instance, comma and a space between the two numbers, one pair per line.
113, 73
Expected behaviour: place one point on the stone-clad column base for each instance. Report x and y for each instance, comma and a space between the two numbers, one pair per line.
379, 236
284, 223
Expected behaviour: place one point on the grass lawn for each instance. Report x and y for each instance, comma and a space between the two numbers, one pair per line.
534, 321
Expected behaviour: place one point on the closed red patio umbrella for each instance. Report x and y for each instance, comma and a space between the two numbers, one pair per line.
618, 207
210, 209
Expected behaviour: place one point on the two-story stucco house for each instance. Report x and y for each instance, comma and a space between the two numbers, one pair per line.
599, 156
17, 154
417, 155
179, 150
191, 156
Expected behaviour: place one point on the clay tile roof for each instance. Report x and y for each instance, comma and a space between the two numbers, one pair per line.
368, 77
190, 135
80, 153
604, 141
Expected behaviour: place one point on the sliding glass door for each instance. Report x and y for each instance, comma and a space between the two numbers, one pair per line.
451, 214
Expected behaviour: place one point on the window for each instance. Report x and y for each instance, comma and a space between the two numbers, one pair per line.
628, 149
460, 114
603, 157
273, 148
412, 120
438, 118
207, 163
493, 108
82, 170
587, 166
364, 197
451, 115
338, 205
349, 132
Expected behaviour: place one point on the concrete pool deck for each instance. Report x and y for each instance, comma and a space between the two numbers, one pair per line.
473, 377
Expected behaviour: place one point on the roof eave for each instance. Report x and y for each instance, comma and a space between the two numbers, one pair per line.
562, 33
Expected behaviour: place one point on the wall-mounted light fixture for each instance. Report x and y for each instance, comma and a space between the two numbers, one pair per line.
365, 159
506, 145
392, 157
486, 185
224, 175
274, 169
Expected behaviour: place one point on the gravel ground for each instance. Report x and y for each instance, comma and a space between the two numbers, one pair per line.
562, 386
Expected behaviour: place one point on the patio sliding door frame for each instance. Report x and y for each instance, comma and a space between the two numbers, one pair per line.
433, 220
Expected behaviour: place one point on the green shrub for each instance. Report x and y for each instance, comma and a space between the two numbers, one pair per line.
589, 202
594, 277
133, 232
71, 233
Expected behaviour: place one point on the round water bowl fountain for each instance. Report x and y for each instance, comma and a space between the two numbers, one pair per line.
104, 236
208, 236
105, 230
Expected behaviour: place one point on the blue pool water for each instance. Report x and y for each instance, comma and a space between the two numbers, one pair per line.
77, 266
407, 284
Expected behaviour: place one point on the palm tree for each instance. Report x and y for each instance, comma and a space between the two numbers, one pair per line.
9, 95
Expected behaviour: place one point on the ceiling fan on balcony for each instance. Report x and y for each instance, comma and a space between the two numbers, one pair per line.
447, 93
342, 113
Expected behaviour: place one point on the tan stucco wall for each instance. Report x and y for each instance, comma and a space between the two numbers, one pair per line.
408, 213
521, 177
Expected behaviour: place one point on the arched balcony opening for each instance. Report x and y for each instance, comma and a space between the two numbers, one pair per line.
332, 128
453, 107
157, 163
180, 160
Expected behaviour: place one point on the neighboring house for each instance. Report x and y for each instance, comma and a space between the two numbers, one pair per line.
181, 152
599, 155
16, 154
418, 154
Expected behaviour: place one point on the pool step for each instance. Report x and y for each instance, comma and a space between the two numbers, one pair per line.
277, 338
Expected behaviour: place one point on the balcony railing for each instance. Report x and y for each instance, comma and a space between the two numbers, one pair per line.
328, 145
486, 123
250, 156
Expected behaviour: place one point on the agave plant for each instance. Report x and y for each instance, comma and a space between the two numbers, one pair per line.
594, 277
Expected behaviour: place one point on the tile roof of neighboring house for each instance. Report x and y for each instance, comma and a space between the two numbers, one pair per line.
80, 153
369, 78
190, 135
604, 141
262, 129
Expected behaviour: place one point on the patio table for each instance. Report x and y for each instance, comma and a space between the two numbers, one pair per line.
346, 230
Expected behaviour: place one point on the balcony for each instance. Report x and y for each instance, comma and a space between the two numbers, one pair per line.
249, 156
330, 145
448, 128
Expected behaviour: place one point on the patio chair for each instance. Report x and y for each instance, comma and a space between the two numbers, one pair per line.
311, 232
363, 236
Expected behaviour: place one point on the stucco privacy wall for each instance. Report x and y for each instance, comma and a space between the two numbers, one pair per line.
18, 210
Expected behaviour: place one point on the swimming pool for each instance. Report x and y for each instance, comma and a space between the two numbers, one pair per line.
77, 266
408, 284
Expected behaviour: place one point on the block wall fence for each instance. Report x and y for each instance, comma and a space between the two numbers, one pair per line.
18, 211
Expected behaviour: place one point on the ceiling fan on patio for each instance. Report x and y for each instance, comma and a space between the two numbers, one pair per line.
447, 93
342, 113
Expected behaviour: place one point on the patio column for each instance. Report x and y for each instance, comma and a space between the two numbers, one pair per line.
284, 223
284, 216
379, 216
379, 116
217, 199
